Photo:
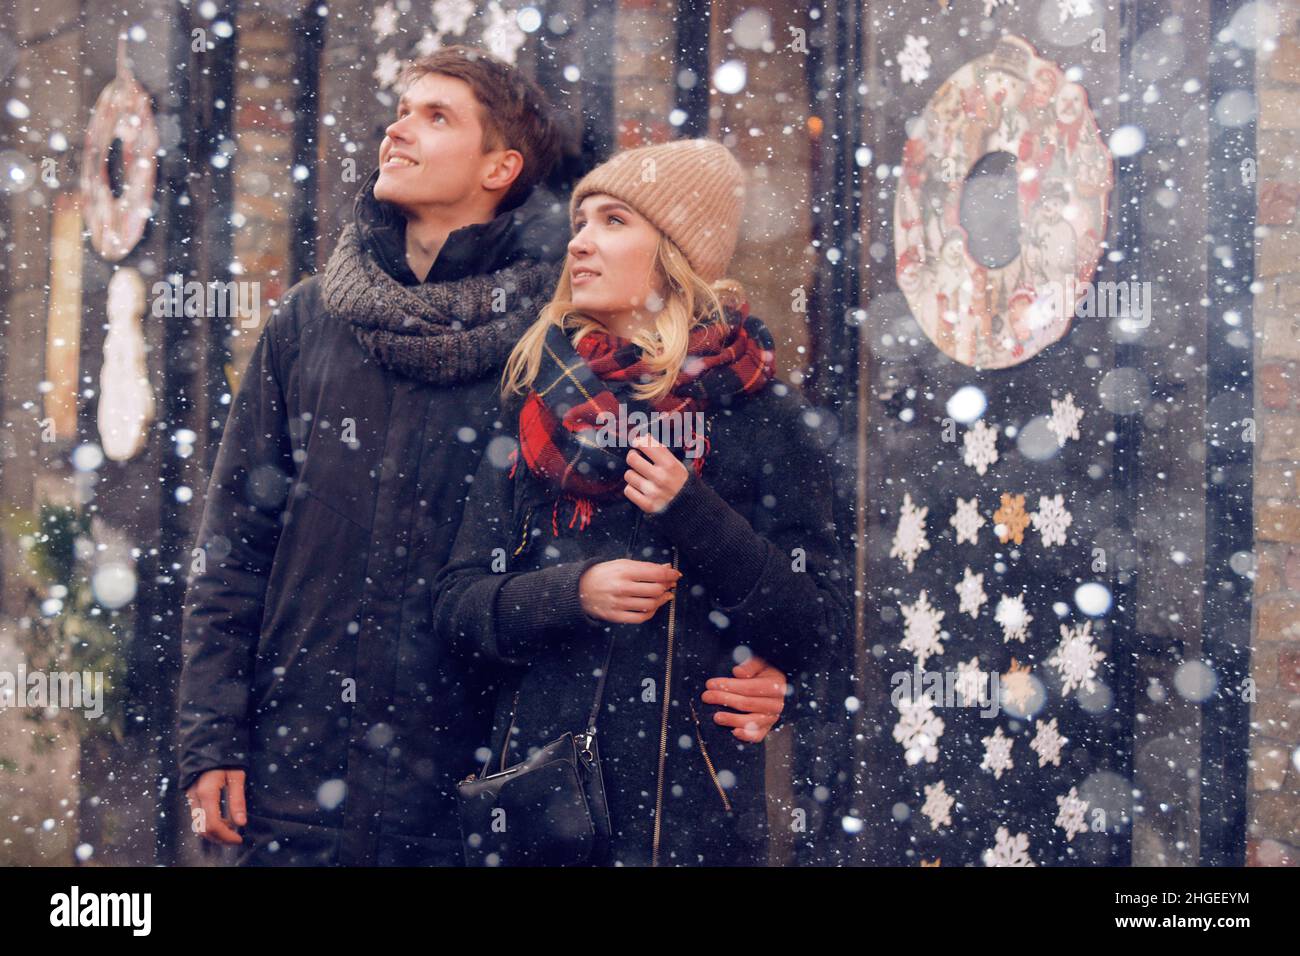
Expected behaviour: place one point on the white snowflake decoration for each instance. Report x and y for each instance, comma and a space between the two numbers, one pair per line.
1070, 816
971, 592
1013, 617
981, 447
967, 520
387, 68
990, 5
385, 21
1064, 420
1047, 743
452, 16
921, 632
918, 730
938, 805
910, 537
429, 43
997, 753
1009, 850
1076, 658
1051, 519
915, 59
502, 35
1073, 9
972, 683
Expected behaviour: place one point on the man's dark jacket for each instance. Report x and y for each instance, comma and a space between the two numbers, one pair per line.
336, 495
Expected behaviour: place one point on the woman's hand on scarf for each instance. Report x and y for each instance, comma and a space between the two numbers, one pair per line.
626, 591
654, 475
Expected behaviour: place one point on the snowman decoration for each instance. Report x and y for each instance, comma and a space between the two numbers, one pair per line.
126, 400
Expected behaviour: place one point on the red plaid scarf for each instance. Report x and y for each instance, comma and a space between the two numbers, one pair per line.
561, 416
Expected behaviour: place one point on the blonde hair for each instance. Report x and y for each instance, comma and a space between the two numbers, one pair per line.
690, 301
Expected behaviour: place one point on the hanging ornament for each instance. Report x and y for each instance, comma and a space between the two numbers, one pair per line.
1013, 617
910, 538
1008, 850
918, 730
938, 805
967, 520
995, 297
1070, 817
1010, 520
126, 401
922, 635
1047, 743
1065, 418
122, 115
971, 592
1051, 519
997, 753
1076, 658
914, 60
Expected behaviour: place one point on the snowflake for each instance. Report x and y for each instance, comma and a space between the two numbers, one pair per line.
1013, 617
1073, 9
981, 447
921, 632
1047, 744
1064, 422
429, 43
971, 591
918, 730
385, 21
1009, 851
915, 60
1070, 817
989, 6
997, 753
967, 520
1076, 658
451, 16
387, 68
1051, 519
1018, 686
938, 805
1010, 519
502, 35
910, 539
972, 683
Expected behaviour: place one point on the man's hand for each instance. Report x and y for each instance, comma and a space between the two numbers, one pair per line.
757, 691
204, 796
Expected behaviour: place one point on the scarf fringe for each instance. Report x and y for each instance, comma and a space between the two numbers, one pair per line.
582, 512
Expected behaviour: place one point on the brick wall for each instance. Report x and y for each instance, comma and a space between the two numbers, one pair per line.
1274, 789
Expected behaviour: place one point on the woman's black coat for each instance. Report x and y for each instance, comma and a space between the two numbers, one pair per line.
762, 573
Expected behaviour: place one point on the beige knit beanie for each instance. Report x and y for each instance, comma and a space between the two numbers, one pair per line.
692, 190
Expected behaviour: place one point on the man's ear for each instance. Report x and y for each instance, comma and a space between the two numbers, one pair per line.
508, 164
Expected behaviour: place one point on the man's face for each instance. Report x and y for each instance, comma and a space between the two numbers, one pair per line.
432, 153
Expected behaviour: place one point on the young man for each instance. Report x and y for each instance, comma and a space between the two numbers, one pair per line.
315, 696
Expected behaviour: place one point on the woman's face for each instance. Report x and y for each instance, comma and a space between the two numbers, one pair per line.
611, 261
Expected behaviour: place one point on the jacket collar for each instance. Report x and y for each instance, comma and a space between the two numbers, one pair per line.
535, 229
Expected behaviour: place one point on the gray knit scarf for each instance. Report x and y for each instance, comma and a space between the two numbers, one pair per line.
438, 332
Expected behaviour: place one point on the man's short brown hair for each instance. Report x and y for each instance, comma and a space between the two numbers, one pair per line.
513, 110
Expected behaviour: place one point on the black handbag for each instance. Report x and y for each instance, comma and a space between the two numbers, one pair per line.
548, 810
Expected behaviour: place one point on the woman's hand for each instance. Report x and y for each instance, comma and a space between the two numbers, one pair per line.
654, 475
626, 591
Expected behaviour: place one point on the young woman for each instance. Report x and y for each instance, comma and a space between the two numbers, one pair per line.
684, 552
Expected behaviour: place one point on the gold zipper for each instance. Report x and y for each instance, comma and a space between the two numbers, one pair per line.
663, 726
726, 804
